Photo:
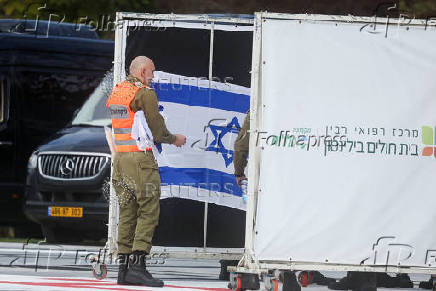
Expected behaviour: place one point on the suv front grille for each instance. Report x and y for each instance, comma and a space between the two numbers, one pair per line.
68, 166
49, 196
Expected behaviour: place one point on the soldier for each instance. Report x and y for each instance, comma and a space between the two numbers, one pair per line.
136, 179
240, 162
241, 150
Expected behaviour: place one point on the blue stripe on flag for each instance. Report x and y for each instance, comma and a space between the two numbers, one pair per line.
205, 97
201, 177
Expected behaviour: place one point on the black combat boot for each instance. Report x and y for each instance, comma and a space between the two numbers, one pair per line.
427, 284
356, 281
123, 260
364, 281
343, 284
403, 281
400, 281
320, 279
137, 273
385, 281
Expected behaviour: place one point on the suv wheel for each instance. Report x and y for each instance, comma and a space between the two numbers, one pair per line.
58, 235
48, 233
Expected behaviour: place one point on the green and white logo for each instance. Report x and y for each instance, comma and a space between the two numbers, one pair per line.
429, 140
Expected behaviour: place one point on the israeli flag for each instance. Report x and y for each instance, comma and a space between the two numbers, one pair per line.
209, 114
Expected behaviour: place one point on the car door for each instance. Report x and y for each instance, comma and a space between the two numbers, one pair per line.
7, 135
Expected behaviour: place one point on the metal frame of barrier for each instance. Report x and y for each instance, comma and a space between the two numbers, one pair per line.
250, 268
123, 21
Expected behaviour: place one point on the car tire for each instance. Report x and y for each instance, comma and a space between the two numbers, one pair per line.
28, 230
48, 233
59, 235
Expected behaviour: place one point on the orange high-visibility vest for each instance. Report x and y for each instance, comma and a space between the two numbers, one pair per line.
122, 116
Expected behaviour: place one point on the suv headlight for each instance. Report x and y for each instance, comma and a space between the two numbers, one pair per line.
33, 161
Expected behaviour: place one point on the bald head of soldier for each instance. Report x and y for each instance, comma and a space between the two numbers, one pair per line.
142, 68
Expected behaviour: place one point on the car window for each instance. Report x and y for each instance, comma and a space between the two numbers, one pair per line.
2, 102
50, 98
94, 111
47, 100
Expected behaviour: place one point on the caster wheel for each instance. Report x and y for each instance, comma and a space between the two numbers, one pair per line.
240, 282
99, 271
305, 278
235, 282
272, 284
275, 284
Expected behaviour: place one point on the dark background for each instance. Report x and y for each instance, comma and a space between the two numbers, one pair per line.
93, 12
192, 47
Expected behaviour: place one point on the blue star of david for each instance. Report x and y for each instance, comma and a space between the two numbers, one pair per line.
219, 132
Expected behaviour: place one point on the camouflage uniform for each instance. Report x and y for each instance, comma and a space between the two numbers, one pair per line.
136, 180
241, 147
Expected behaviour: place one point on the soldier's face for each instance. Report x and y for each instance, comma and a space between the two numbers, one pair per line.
148, 74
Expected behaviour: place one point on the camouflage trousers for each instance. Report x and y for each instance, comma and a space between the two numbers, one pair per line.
136, 181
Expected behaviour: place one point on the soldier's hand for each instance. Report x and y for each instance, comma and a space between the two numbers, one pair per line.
239, 180
180, 140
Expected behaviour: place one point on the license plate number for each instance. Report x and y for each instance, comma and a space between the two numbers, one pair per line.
65, 211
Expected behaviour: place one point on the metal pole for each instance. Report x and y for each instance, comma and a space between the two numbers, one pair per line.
255, 152
206, 208
113, 203
186, 18
206, 204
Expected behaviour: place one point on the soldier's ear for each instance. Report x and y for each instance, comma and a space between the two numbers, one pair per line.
144, 75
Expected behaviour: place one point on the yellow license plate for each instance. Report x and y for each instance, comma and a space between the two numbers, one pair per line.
65, 211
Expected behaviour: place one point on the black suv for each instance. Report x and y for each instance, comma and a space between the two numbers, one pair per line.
47, 71
67, 176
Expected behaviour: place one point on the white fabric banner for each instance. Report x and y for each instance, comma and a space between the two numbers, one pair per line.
366, 194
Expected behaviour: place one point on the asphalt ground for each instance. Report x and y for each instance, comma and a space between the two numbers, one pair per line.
67, 267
